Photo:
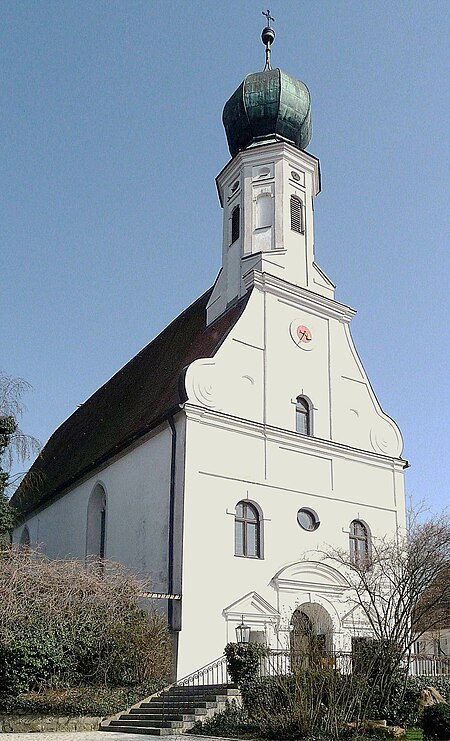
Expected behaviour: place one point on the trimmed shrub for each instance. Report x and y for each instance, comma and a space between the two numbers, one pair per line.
243, 661
68, 623
233, 721
98, 701
436, 722
403, 708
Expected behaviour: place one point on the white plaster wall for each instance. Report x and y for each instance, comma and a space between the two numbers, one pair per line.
241, 443
225, 466
259, 371
137, 489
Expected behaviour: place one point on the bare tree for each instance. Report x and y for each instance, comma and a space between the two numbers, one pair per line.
18, 446
402, 586
71, 621
14, 446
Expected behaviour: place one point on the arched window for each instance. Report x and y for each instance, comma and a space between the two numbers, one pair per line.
235, 223
264, 210
359, 542
297, 215
25, 537
247, 535
96, 523
303, 416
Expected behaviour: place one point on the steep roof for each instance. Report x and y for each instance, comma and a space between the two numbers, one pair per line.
135, 400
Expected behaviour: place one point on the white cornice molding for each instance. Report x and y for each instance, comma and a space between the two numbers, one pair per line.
259, 154
299, 297
291, 585
293, 440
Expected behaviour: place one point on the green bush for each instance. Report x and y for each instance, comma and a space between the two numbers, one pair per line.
68, 623
243, 661
403, 708
97, 701
32, 661
436, 722
233, 721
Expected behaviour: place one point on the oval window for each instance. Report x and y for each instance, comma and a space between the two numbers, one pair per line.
307, 519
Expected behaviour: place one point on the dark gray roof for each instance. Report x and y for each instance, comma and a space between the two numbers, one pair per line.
135, 400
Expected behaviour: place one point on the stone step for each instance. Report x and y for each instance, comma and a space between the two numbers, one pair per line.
173, 711
139, 729
186, 703
177, 721
200, 688
135, 714
172, 715
130, 721
167, 711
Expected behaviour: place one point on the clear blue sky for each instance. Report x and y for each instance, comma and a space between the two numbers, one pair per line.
111, 137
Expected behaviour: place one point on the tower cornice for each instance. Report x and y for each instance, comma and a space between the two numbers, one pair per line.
261, 152
298, 296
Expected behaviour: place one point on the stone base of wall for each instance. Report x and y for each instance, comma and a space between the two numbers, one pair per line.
35, 723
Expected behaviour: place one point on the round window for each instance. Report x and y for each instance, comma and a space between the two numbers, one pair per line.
307, 519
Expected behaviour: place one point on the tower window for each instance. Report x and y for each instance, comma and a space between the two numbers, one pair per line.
297, 215
303, 416
264, 210
235, 223
359, 542
247, 535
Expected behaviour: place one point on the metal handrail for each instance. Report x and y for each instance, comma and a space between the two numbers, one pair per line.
281, 662
194, 691
217, 667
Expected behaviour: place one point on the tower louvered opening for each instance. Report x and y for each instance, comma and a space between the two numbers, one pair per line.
235, 219
296, 215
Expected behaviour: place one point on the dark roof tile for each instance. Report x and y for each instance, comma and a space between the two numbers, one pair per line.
135, 400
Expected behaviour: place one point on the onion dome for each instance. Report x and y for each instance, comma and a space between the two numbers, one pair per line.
267, 106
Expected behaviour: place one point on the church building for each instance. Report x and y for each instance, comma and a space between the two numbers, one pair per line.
246, 438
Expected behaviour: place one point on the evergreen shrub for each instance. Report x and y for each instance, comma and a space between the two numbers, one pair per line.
436, 722
75, 701
68, 623
403, 708
243, 661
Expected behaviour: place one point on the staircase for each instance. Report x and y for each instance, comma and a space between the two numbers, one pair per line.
177, 708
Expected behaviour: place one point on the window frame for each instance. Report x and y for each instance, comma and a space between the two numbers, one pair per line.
235, 219
247, 522
313, 518
303, 410
25, 539
356, 538
97, 523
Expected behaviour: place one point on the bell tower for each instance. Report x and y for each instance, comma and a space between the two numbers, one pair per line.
268, 188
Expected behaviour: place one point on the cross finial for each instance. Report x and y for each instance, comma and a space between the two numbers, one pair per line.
268, 16
268, 36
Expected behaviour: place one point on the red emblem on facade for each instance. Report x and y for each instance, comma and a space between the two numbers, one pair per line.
303, 333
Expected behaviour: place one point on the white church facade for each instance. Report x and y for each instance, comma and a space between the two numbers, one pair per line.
246, 439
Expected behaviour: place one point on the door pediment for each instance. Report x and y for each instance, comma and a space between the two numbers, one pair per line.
251, 606
307, 576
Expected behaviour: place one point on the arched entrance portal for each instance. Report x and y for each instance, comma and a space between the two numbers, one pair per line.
311, 636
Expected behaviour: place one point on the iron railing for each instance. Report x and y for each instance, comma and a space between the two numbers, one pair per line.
429, 666
195, 691
214, 673
199, 689
279, 662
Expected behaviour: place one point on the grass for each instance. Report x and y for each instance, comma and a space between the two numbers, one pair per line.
414, 735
